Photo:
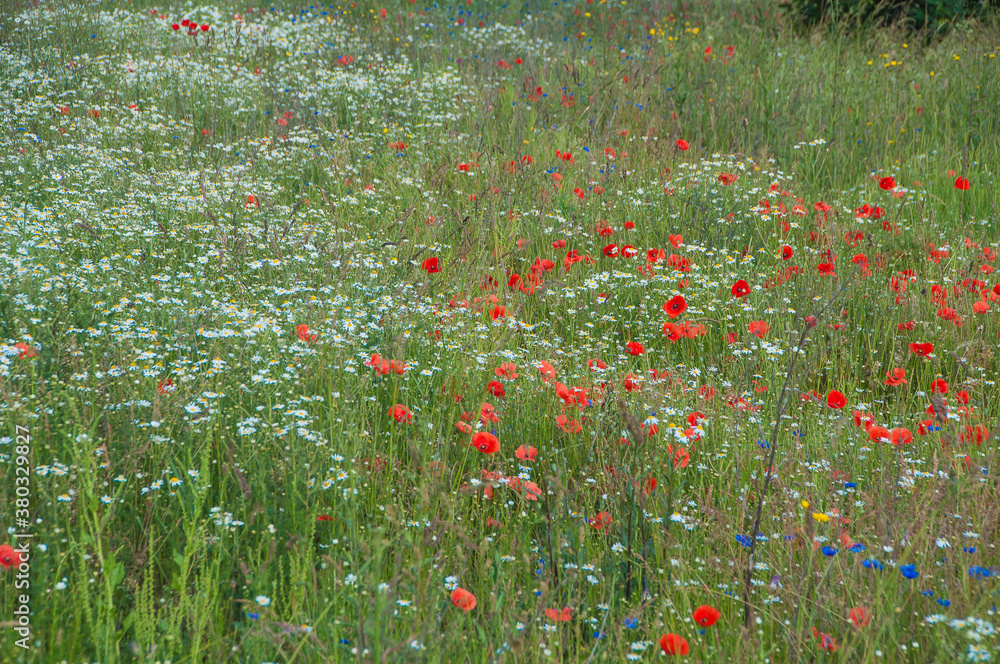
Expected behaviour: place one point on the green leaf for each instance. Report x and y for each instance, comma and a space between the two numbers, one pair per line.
179, 559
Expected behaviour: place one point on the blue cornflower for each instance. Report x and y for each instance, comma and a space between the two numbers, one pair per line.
871, 563
850, 485
980, 572
631, 623
943, 602
744, 540
857, 547
969, 549
253, 616
927, 593
829, 551
909, 571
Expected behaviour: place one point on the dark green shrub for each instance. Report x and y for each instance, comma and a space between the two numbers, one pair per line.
915, 15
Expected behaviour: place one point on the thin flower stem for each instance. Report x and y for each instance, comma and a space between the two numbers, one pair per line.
782, 404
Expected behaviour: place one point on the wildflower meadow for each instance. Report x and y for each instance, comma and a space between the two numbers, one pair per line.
496, 331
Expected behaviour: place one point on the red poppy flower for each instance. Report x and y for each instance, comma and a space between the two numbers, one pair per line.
758, 328
526, 453
495, 388
546, 369
726, 178
676, 240
506, 370
401, 413
681, 456
672, 331
379, 364
939, 386
432, 265
879, 434
896, 377
786, 253
706, 616
463, 599
977, 434
24, 351
674, 644
836, 399
675, 306
304, 334
487, 414
324, 517
9, 557
962, 183
498, 312
595, 364
682, 144
696, 418
908, 326
600, 521
826, 642
860, 616
887, 183
486, 442
635, 348
610, 250
628, 251
741, 288
568, 425
900, 436
826, 269
921, 349
559, 616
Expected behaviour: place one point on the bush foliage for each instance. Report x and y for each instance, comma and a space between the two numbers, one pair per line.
915, 15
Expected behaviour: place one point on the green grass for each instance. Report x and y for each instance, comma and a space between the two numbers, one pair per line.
209, 485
